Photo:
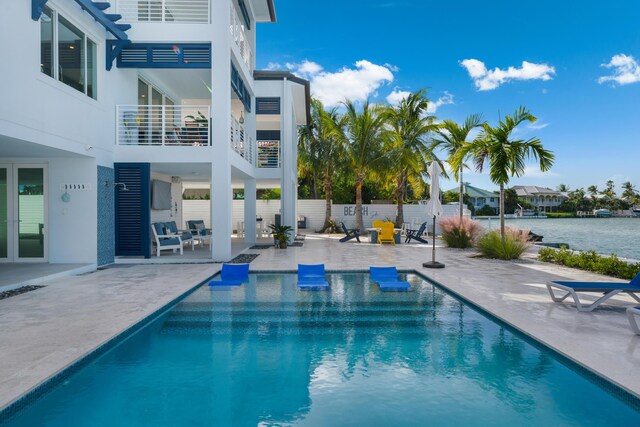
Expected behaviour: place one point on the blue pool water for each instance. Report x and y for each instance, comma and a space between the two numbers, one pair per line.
268, 354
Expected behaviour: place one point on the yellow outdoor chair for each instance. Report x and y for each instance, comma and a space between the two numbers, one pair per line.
377, 223
387, 234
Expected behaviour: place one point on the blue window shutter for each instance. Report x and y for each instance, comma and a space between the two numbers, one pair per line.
133, 209
268, 135
267, 105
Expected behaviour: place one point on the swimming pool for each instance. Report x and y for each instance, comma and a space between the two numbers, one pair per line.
268, 354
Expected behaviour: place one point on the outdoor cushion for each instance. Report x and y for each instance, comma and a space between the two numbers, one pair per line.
172, 241
312, 277
171, 226
235, 272
160, 228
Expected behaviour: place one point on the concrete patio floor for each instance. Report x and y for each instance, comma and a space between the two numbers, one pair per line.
37, 341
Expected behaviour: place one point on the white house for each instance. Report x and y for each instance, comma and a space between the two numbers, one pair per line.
543, 198
98, 100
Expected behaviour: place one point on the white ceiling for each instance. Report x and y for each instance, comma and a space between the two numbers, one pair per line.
185, 83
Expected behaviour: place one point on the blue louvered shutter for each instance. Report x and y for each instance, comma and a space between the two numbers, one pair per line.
133, 210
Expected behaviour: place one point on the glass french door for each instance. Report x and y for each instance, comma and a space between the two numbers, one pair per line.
23, 213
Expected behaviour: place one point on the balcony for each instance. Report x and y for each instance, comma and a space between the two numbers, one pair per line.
240, 37
153, 125
268, 155
241, 143
161, 11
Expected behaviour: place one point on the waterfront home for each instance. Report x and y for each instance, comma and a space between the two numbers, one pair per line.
480, 198
543, 198
108, 109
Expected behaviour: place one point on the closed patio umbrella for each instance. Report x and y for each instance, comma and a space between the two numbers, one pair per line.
434, 209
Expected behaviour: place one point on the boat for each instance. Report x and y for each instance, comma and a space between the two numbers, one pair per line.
602, 213
635, 213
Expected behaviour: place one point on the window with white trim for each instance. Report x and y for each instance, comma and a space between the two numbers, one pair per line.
67, 54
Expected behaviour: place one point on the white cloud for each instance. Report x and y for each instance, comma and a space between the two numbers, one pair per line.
274, 66
490, 79
537, 125
356, 84
395, 97
446, 99
625, 69
533, 171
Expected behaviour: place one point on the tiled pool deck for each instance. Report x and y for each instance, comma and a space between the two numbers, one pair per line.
44, 331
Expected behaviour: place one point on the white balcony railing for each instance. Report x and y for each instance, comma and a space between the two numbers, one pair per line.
268, 154
241, 143
180, 125
180, 11
240, 37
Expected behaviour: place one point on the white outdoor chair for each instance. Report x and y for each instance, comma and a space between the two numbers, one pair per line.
165, 241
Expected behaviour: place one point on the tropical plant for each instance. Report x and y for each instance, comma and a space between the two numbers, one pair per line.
281, 234
451, 138
506, 156
460, 232
407, 127
506, 245
200, 119
609, 189
321, 148
629, 192
363, 148
590, 261
563, 188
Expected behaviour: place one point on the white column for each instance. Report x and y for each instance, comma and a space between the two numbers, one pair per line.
221, 191
289, 179
250, 210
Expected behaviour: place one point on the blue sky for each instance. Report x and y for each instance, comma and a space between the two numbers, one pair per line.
588, 114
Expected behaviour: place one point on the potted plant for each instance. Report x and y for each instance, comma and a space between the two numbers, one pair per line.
280, 235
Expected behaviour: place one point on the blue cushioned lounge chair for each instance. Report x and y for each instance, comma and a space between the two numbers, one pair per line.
311, 277
232, 275
164, 240
387, 279
608, 289
185, 235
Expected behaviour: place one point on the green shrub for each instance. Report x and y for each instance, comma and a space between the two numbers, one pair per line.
590, 261
460, 233
512, 246
486, 210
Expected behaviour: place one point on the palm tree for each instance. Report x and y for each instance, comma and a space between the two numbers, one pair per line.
563, 188
363, 145
610, 189
593, 192
629, 191
506, 156
321, 148
407, 128
451, 137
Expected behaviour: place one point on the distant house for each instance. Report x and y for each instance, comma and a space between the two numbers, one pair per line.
543, 198
480, 198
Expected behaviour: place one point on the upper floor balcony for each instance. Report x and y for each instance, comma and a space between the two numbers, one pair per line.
154, 125
162, 11
239, 36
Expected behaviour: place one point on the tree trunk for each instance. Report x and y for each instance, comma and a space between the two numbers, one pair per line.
400, 201
359, 179
315, 186
502, 211
461, 198
328, 195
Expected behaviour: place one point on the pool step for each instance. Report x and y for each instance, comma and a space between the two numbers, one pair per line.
299, 305
291, 316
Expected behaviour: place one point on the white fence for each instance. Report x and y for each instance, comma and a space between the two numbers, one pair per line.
239, 35
180, 11
313, 210
240, 141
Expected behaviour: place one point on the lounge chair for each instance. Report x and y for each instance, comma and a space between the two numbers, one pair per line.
376, 223
349, 233
200, 233
387, 279
311, 277
632, 313
185, 235
387, 233
164, 240
417, 234
608, 289
232, 275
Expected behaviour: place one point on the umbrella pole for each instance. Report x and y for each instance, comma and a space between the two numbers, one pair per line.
433, 263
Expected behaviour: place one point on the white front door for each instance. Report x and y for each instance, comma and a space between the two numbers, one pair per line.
23, 213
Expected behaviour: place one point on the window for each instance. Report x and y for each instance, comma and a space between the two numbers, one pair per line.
492, 200
67, 54
46, 41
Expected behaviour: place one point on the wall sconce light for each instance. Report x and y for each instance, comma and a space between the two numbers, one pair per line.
241, 120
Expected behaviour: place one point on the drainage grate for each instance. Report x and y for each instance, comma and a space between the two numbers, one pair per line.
18, 291
243, 259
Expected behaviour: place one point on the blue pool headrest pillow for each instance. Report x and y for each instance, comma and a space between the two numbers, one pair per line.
635, 281
313, 285
311, 270
235, 272
383, 273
